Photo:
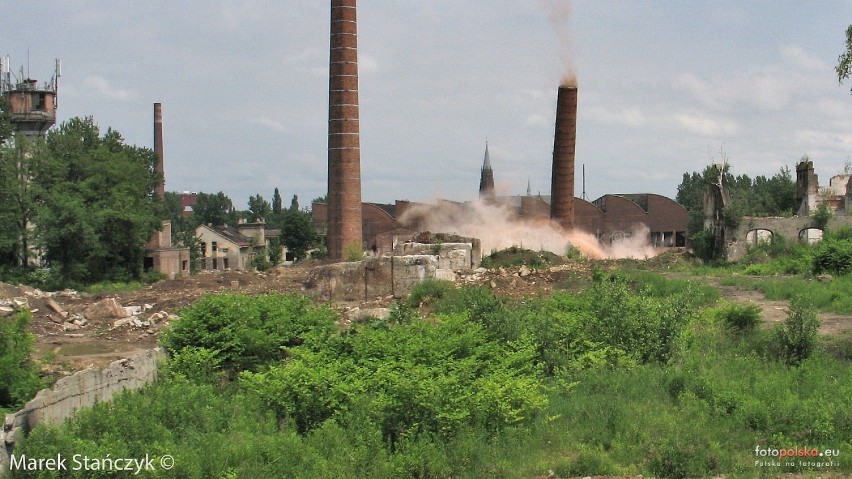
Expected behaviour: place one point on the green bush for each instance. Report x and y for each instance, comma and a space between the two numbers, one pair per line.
19, 376
740, 319
833, 256
797, 337
429, 291
645, 327
417, 378
249, 331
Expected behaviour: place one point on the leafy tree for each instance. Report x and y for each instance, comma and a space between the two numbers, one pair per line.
294, 203
18, 163
216, 209
7, 129
276, 203
96, 207
844, 61
297, 232
259, 209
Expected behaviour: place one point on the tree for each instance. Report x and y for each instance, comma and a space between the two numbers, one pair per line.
844, 61
215, 209
7, 129
19, 161
259, 209
297, 232
96, 206
276, 203
294, 203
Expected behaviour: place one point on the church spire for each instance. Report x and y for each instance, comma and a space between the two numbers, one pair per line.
486, 164
486, 178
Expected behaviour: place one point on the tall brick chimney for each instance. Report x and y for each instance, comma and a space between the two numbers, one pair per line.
344, 151
562, 179
160, 190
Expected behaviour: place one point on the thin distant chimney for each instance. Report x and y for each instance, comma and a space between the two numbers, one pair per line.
562, 180
160, 189
344, 149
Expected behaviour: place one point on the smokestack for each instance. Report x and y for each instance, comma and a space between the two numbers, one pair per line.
562, 180
344, 151
160, 189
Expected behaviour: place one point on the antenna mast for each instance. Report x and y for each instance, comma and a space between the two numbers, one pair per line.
584, 182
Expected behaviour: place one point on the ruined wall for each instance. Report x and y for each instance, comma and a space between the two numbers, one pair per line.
788, 228
80, 390
393, 274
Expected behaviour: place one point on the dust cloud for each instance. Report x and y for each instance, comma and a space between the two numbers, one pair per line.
498, 227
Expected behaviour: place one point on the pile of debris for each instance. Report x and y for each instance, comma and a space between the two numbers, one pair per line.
66, 310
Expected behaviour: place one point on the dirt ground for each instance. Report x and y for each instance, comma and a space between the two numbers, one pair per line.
100, 341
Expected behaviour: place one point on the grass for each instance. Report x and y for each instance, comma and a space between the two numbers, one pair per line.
834, 295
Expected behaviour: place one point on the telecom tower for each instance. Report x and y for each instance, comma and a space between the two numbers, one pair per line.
32, 108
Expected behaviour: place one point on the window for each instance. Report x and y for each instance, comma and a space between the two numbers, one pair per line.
225, 263
214, 247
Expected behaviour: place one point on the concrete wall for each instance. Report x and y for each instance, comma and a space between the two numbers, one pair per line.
80, 390
393, 274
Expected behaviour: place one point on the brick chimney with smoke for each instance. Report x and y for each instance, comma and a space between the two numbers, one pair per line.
160, 189
562, 179
344, 152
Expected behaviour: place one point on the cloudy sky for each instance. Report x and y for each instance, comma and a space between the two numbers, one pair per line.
665, 87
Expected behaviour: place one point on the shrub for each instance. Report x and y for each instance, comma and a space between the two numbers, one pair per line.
428, 292
740, 319
703, 244
797, 337
822, 216
19, 376
353, 251
248, 331
644, 326
682, 458
833, 256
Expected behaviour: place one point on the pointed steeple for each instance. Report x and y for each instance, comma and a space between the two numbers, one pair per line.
529, 190
486, 164
486, 178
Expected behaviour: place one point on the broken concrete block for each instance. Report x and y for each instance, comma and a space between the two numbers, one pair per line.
105, 309
122, 322
54, 306
411, 270
336, 282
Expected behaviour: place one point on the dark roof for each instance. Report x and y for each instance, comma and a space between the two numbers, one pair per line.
389, 209
231, 234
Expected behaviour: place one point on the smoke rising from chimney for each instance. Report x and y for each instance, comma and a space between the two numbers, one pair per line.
559, 12
498, 227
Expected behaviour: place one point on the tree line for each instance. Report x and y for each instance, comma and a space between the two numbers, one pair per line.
81, 204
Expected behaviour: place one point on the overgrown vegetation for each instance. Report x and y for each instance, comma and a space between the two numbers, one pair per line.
19, 375
635, 375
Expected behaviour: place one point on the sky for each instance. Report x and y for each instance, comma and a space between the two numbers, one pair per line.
665, 88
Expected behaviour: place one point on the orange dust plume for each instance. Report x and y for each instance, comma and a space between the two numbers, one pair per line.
498, 227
